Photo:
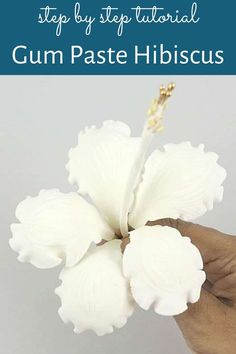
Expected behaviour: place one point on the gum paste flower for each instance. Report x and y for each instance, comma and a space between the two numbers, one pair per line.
100, 284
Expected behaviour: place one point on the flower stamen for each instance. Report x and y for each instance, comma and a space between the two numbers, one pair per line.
156, 110
152, 126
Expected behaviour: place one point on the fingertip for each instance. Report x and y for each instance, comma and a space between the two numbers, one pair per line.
180, 225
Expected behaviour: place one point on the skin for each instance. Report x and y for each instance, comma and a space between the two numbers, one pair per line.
209, 326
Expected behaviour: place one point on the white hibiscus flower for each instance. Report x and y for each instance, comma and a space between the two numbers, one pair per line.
100, 285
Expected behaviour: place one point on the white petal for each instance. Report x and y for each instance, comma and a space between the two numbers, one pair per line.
54, 227
181, 182
101, 165
94, 294
164, 268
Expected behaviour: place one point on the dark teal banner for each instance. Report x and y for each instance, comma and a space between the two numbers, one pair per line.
118, 37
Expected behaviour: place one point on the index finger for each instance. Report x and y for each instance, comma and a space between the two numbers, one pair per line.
210, 242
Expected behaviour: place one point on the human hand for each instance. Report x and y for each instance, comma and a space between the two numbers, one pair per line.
209, 326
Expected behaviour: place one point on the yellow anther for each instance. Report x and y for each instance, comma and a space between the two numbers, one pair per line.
152, 122
157, 106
